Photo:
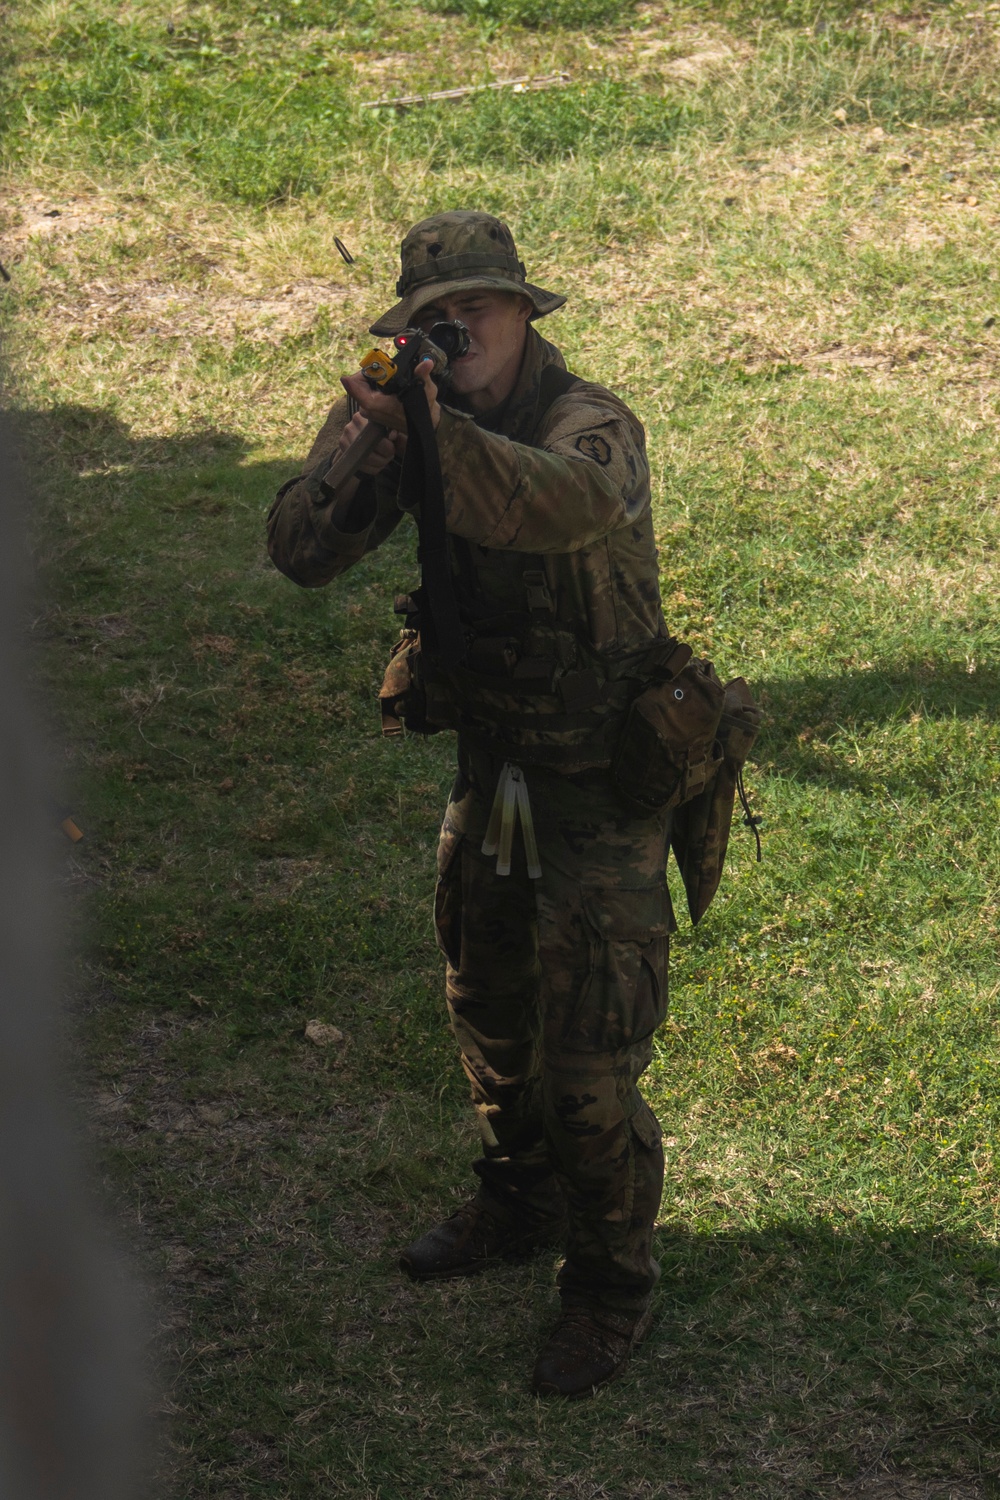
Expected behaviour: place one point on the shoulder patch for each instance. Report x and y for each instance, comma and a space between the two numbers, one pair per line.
594, 447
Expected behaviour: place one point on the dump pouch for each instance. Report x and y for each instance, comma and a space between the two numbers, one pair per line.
668, 751
403, 694
699, 833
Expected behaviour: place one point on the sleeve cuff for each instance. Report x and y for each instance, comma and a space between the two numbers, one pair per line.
357, 517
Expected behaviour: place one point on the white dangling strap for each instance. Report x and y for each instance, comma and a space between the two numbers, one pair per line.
492, 840
511, 799
528, 827
507, 821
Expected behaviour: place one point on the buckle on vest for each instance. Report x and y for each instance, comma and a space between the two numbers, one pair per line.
536, 588
696, 777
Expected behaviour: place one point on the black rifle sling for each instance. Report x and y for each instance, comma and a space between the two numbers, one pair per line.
422, 487
553, 383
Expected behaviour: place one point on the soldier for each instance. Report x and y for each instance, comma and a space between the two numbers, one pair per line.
556, 950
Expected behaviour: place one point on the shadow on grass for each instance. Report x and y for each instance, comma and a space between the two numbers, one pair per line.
803, 714
865, 1350
796, 1360
811, 1322
93, 437
151, 514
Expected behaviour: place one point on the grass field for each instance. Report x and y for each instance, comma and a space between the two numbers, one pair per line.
778, 231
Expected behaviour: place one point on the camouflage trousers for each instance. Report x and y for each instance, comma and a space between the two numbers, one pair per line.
555, 987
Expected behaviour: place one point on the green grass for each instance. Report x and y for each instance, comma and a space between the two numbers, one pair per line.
774, 256
260, 105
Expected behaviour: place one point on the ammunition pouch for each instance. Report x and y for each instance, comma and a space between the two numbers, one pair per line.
699, 831
683, 748
403, 694
668, 751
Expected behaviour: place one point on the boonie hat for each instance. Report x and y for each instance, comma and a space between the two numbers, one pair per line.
458, 252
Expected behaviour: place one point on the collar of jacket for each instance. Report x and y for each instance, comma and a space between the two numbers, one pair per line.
516, 418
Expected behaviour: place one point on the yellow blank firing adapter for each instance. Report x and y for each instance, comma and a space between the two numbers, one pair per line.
377, 368
445, 342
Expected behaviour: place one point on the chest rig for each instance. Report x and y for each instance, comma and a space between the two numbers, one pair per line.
530, 685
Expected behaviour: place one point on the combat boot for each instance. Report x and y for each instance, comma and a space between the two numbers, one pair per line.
474, 1237
586, 1349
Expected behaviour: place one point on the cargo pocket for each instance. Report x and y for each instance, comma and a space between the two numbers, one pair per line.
647, 1127
624, 995
646, 1169
448, 896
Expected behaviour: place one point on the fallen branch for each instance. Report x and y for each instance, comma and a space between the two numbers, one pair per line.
519, 85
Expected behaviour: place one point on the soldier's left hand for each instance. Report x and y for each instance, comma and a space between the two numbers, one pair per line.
388, 410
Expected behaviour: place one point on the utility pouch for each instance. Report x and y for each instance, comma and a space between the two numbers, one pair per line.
403, 694
667, 752
699, 832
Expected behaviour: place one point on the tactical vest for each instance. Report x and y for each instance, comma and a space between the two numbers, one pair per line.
533, 688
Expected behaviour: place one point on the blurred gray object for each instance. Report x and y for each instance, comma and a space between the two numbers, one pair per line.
71, 1393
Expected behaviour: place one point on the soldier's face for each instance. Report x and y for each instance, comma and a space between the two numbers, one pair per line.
497, 323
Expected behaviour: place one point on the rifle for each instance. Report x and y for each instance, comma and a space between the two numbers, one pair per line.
396, 375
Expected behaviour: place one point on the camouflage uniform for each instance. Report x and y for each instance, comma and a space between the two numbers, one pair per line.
555, 985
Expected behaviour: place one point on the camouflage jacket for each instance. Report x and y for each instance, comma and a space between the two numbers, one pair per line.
553, 554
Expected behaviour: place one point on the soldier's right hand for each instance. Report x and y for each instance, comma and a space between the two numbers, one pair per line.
389, 448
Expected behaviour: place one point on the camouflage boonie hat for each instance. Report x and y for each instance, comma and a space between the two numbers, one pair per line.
458, 252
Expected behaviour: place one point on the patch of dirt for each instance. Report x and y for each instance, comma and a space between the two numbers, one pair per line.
684, 53
782, 164
756, 352
394, 67
694, 67
363, 1233
285, 874
918, 235
43, 216
155, 306
114, 1115
107, 627
857, 359
159, 310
